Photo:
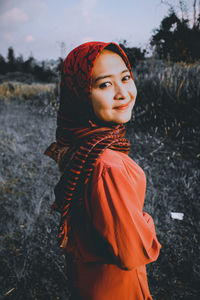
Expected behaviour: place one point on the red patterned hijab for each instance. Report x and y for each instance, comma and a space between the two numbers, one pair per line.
80, 137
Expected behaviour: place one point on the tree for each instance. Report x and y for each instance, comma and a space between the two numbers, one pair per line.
19, 62
134, 54
60, 64
187, 8
175, 40
3, 65
11, 60
28, 65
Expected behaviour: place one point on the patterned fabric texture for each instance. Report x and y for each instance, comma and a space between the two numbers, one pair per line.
80, 137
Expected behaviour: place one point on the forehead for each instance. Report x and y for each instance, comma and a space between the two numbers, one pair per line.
108, 61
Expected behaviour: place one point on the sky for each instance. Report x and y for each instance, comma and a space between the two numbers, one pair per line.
51, 28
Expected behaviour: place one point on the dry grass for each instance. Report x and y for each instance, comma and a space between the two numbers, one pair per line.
168, 96
32, 266
178, 82
23, 91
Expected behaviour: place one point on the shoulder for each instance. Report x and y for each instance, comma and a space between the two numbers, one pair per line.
110, 159
115, 163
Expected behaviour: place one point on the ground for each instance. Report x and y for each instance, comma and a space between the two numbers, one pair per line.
32, 265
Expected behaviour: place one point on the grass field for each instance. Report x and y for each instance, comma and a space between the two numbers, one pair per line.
32, 265
165, 142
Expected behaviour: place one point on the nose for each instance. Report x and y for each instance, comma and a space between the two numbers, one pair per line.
120, 91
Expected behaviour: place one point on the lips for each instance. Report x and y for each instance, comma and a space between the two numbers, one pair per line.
123, 106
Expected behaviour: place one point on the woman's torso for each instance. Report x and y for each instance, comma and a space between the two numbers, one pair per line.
107, 249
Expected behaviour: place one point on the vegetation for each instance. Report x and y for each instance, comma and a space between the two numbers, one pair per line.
40, 72
176, 41
168, 95
23, 91
178, 38
32, 265
134, 54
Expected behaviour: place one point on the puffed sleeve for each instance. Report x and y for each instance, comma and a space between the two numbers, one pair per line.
118, 217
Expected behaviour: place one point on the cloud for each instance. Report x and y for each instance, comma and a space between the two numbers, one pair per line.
15, 15
8, 37
29, 38
85, 10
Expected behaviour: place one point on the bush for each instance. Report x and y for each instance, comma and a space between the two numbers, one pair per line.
168, 94
17, 90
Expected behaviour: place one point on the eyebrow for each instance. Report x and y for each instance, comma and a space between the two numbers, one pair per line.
102, 77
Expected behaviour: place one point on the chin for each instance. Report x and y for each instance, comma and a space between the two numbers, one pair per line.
120, 118
120, 121
123, 119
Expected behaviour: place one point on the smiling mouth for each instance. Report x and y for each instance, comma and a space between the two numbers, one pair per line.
123, 106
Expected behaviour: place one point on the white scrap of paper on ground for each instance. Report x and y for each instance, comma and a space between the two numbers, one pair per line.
177, 216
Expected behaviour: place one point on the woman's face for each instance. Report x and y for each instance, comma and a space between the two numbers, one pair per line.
113, 91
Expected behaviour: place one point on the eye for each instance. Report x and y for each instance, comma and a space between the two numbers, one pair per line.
104, 85
126, 78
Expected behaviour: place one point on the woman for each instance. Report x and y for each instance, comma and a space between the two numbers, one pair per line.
106, 236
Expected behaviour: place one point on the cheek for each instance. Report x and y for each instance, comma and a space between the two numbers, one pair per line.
134, 89
100, 101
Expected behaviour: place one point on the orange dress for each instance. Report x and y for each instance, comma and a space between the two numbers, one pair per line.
112, 239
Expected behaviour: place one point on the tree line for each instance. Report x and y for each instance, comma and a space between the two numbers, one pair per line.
17, 64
